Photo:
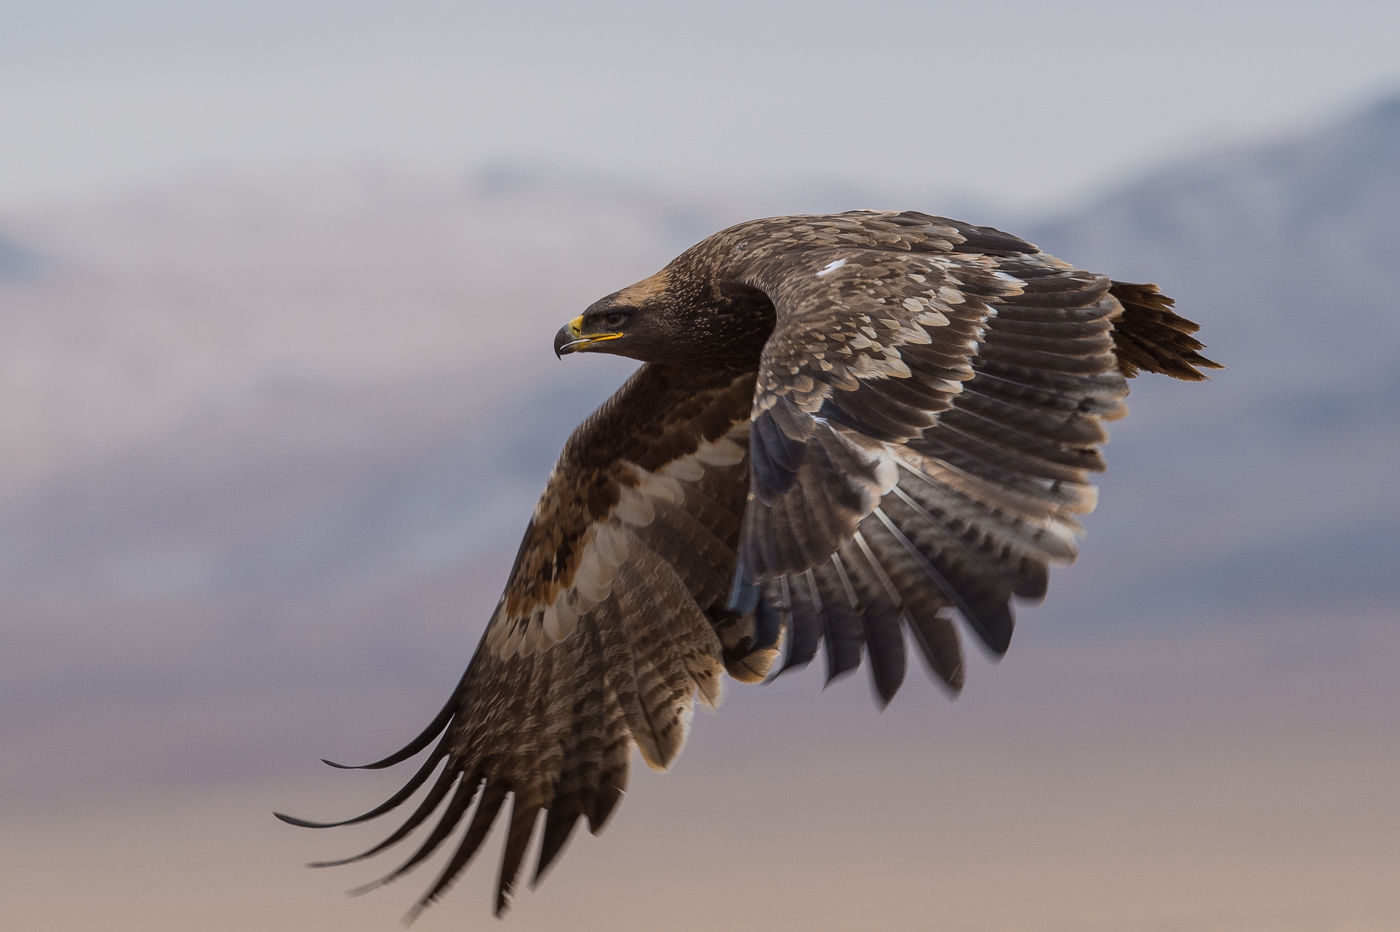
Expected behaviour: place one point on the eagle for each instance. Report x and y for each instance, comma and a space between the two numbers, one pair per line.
847, 430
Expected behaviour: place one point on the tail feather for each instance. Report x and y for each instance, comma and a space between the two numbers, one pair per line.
1150, 336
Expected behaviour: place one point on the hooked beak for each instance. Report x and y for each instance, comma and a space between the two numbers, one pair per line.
570, 338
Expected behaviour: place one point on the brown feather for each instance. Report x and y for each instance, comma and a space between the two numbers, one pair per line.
1150, 335
846, 425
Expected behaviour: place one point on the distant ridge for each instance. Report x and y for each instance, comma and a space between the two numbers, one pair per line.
15, 260
1288, 248
269, 414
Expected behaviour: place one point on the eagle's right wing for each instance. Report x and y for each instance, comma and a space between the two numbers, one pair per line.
613, 621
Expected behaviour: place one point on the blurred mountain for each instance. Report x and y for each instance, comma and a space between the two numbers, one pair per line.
15, 260
1289, 248
264, 437
1288, 255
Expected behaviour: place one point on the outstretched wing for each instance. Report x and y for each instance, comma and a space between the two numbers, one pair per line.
606, 631
928, 412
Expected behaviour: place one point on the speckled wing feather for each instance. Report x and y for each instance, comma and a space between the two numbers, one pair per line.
606, 633
927, 414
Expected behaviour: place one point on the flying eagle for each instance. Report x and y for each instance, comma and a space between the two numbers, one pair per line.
845, 426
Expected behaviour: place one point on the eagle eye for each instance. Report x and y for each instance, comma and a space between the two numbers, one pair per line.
614, 319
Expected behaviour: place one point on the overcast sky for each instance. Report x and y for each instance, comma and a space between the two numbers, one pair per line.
1195, 733
1033, 104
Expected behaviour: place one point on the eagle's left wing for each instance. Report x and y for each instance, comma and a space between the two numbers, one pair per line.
926, 420
613, 621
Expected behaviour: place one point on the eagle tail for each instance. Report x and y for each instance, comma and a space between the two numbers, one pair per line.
1150, 336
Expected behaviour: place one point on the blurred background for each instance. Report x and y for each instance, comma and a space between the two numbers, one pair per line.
278, 283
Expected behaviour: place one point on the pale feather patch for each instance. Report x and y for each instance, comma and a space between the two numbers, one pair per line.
660, 487
1089, 497
561, 618
685, 469
593, 577
831, 266
914, 336
711, 692
889, 366
897, 367
549, 621
724, 451
887, 469
882, 458
608, 545
634, 507
611, 544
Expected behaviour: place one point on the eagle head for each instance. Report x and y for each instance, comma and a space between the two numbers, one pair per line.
641, 321
679, 316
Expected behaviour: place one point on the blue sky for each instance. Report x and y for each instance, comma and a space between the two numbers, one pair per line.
1035, 104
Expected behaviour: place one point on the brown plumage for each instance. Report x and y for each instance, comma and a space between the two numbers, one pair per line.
846, 426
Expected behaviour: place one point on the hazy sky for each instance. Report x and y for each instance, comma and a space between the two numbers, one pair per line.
276, 547
1030, 103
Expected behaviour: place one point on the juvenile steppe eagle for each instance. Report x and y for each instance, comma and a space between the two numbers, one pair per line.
846, 427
